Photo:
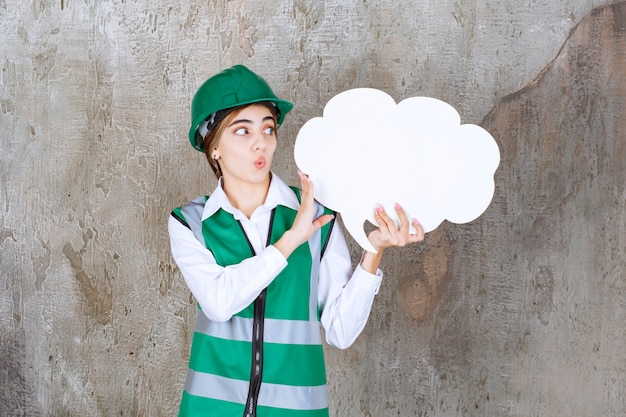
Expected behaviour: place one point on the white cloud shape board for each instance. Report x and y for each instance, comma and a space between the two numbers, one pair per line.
367, 150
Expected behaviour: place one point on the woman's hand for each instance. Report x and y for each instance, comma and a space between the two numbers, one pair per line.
389, 235
304, 224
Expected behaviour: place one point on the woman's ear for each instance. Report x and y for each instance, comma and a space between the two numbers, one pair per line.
215, 155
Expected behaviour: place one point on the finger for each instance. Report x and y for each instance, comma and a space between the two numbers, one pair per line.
419, 232
386, 217
307, 188
321, 221
381, 218
387, 226
404, 220
391, 224
304, 180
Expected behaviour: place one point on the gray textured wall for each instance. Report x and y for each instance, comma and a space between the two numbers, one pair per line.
519, 313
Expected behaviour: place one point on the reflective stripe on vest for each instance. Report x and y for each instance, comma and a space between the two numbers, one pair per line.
276, 331
272, 395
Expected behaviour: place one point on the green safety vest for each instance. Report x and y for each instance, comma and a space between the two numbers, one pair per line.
267, 360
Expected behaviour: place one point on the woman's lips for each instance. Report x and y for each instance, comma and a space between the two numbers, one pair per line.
260, 163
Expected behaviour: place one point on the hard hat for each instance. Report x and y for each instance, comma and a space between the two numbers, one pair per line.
233, 87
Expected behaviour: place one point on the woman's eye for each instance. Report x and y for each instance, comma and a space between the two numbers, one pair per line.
241, 131
269, 131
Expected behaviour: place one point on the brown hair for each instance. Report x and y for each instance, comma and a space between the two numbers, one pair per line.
212, 139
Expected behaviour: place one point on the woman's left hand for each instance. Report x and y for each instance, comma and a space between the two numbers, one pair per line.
389, 235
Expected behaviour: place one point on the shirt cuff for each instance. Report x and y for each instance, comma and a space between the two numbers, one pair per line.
274, 258
366, 280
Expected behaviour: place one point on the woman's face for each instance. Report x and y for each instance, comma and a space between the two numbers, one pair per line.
246, 147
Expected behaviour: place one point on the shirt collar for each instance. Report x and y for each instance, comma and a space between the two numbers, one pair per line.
279, 193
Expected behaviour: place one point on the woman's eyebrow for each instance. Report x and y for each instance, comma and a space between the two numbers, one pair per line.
249, 121
239, 121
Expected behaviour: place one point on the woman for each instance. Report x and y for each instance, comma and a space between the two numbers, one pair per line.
266, 263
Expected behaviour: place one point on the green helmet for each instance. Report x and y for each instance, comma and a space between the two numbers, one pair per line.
233, 87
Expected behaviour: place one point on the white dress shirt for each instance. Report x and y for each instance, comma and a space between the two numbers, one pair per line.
344, 296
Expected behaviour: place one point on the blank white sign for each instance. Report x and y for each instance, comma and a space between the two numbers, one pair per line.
367, 150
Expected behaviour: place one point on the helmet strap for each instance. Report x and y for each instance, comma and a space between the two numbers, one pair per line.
213, 120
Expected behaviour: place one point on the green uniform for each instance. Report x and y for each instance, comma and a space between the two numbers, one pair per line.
267, 360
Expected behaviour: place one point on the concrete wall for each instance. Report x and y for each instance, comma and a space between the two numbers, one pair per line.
519, 313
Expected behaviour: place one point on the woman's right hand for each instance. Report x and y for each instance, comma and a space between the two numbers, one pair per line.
304, 224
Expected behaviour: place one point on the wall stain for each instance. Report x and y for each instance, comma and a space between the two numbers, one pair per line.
5, 234
44, 61
23, 35
18, 306
11, 87
168, 273
422, 287
96, 289
247, 36
41, 265
542, 291
15, 391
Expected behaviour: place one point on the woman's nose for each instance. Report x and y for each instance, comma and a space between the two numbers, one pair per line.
259, 142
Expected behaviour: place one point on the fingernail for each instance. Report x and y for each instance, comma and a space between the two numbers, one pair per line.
398, 207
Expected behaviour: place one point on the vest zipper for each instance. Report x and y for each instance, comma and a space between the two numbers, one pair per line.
256, 372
